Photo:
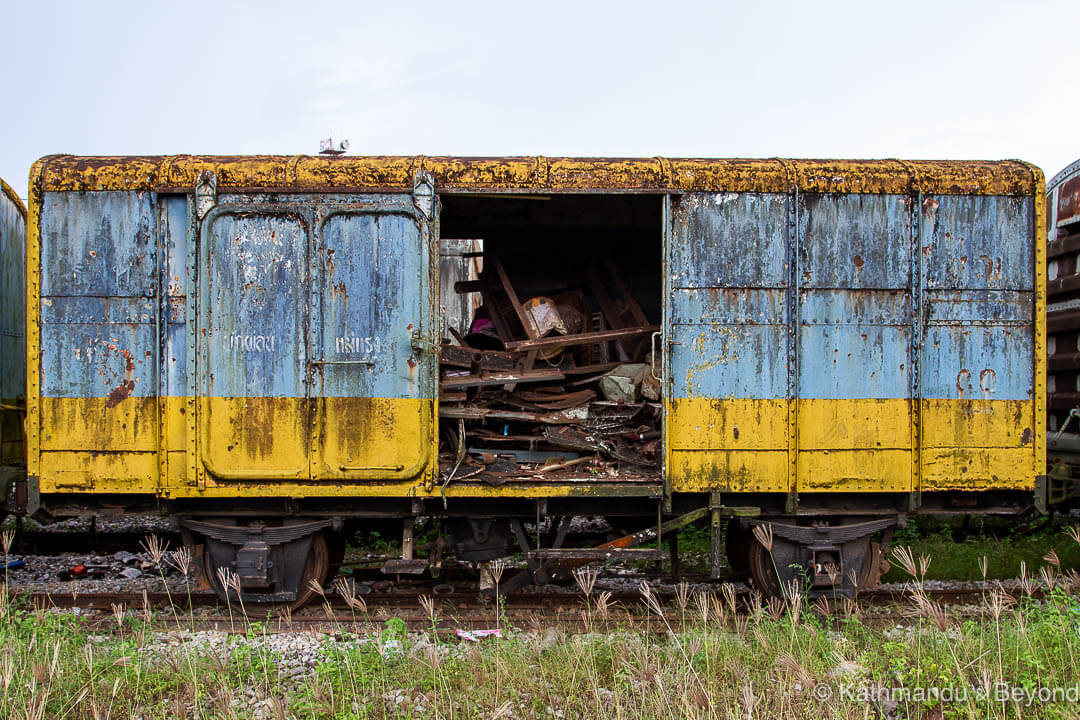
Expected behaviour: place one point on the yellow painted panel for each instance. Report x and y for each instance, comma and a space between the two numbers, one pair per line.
103, 472
255, 438
728, 424
979, 469
978, 423
850, 424
177, 469
371, 438
177, 422
854, 471
729, 471
417, 489
89, 424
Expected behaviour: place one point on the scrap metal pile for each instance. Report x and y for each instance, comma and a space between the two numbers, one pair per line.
560, 382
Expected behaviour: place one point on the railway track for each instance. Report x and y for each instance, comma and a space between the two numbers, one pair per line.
456, 610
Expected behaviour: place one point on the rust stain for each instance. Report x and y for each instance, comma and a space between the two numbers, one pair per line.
305, 173
963, 382
1027, 437
127, 386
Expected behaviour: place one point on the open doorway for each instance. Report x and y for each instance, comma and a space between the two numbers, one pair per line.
547, 371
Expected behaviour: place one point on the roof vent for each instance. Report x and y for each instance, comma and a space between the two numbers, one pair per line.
329, 147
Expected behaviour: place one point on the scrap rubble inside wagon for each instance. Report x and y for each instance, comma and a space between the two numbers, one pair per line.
552, 376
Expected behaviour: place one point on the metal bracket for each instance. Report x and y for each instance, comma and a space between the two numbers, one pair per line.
424, 194
205, 193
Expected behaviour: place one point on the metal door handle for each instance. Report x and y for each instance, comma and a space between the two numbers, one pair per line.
652, 347
389, 468
362, 361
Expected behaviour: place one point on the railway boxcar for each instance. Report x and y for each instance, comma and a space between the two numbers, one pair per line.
12, 343
1063, 333
252, 344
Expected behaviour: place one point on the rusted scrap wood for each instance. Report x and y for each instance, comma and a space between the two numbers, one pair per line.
496, 316
494, 437
552, 282
530, 360
572, 416
568, 401
543, 394
631, 304
512, 294
580, 338
452, 397
611, 313
568, 463
457, 336
464, 287
576, 439
465, 357
590, 369
501, 377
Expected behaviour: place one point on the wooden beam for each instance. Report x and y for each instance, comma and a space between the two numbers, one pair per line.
501, 378
581, 338
512, 294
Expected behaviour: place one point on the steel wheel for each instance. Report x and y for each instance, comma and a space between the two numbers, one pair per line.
759, 562
788, 561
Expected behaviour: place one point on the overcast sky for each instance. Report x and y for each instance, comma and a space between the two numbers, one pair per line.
940, 79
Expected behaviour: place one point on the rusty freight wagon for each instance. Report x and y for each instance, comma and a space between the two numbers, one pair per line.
12, 343
257, 346
1063, 334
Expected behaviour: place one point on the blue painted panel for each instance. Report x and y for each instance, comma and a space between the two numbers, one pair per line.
98, 244
370, 287
992, 362
12, 301
855, 298
1006, 307
845, 307
848, 362
729, 240
729, 361
254, 304
73, 310
98, 282
81, 360
978, 242
855, 241
729, 305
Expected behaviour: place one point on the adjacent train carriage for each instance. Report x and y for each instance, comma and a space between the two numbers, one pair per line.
253, 344
12, 344
1063, 333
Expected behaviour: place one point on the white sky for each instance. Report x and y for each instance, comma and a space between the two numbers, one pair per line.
909, 79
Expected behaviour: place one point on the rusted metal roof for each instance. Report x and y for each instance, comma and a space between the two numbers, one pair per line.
310, 173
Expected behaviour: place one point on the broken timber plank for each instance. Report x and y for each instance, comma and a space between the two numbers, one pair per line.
501, 378
486, 359
581, 338
563, 417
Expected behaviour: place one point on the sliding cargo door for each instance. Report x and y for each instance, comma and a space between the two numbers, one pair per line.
253, 378
372, 363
